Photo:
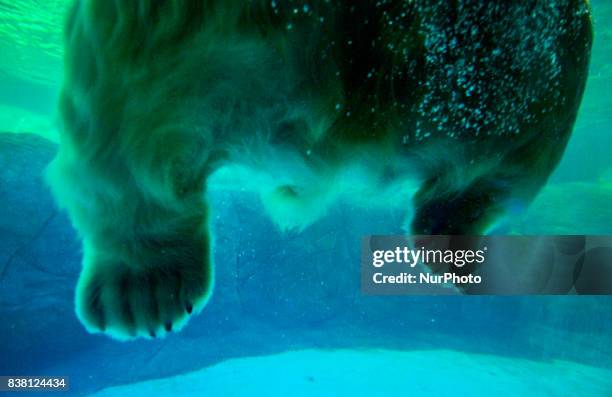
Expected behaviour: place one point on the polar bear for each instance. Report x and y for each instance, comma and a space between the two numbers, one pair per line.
473, 99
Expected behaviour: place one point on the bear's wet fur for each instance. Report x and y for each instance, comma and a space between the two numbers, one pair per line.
473, 99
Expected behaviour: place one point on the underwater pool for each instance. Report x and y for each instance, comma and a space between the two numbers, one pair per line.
287, 316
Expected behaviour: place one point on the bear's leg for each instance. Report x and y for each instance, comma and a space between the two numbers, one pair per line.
444, 207
134, 156
147, 251
466, 213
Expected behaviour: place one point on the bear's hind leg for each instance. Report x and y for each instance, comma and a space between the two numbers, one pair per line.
466, 213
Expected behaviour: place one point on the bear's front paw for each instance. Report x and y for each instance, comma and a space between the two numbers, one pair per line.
128, 300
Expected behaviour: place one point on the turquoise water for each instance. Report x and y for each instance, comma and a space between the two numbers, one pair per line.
287, 313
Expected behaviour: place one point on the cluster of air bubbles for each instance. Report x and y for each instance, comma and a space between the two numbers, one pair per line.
490, 68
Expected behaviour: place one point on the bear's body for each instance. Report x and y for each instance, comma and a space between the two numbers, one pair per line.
474, 99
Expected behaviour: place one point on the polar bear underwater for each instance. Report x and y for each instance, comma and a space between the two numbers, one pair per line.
475, 99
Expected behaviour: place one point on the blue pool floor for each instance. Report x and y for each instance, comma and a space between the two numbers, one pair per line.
379, 373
